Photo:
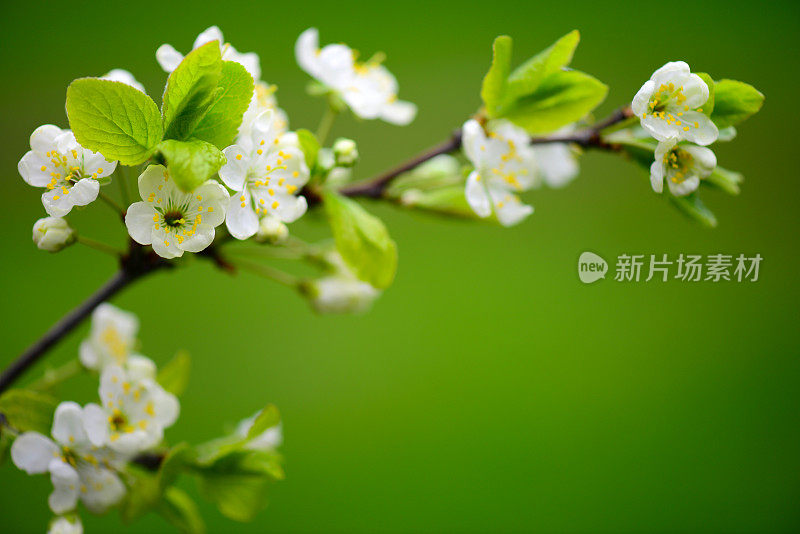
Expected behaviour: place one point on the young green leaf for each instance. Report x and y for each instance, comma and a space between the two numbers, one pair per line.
725, 180
181, 511
114, 119
734, 102
694, 208
190, 163
191, 90
708, 107
448, 200
143, 494
562, 98
223, 116
362, 240
527, 77
266, 419
494, 83
174, 376
28, 410
309, 145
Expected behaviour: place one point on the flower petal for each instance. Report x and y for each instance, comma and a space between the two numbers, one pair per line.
168, 57
95, 421
65, 487
202, 237
305, 50
56, 203
32, 452
399, 112
657, 176
212, 33
140, 223
30, 168
639, 106
234, 172
704, 133
84, 192
104, 489
43, 138
165, 244
68, 424
150, 180
477, 197
240, 218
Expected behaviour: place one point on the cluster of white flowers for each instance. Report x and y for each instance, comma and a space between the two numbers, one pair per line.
506, 163
670, 108
90, 446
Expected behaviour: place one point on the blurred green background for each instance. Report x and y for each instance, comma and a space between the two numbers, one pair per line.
488, 390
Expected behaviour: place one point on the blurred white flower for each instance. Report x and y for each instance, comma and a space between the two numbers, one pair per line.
111, 340
68, 171
66, 525
52, 234
78, 470
265, 174
271, 230
133, 415
341, 291
670, 104
369, 89
123, 76
682, 165
171, 220
169, 58
504, 165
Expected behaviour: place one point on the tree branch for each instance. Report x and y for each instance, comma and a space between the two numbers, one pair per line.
587, 138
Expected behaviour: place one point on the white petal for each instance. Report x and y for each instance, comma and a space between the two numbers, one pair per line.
123, 76
640, 104
56, 207
214, 200
104, 489
473, 138
32, 452
477, 197
704, 133
234, 172
84, 192
557, 164
68, 424
684, 187
659, 128
202, 237
508, 207
65, 487
168, 57
165, 245
250, 61
30, 168
88, 355
150, 180
43, 138
242, 222
696, 91
165, 406
399, 112
95, 421
209, 34
657, 175
672, 71
139, 220
141, 367
705, 161
305, 50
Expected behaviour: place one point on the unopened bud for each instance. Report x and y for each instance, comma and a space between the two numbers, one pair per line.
52, 234
271, 230
345, 152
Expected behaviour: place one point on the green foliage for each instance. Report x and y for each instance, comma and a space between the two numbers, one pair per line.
527, 78
223, 116
734, 102
28, 410
113, 119
266, 419
179, 458
174, 376
562, 98
144, 493
725, 180
310, 147
446, 200
708, 107
191, 90
693, 207
191, 162
493, 91
181, 511
362, 239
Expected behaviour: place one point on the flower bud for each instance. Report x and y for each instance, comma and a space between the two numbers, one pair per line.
52, 234
271, 230
345, 152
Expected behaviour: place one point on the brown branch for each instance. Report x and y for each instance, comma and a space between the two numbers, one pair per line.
587, 138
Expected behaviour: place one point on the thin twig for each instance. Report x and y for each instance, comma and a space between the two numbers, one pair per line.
98, 245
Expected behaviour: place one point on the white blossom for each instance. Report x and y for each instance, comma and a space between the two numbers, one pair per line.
78, 469
112, 340
52, 234
670, 104
269, 440
263, 99
265, 171
171, 220
123, 76
369, 89
169, 58
68, 171
66, 525
682, 165
341, 291
134, 412
504, 165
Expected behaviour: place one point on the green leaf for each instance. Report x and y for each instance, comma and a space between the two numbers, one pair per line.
28, 410
179, 457
362, 239
266, 419
562, 98
309, 145
708, 107
114, 119
725, 180
192, 162
694, 208
181, 511
528, 77
223, 116
144, 493
174, 376
191, 90
641, 152
493, 90
447, 200
734, 102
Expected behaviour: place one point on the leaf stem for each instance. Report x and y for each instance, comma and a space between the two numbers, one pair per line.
98, 245
54, 377
268, 272
325, 124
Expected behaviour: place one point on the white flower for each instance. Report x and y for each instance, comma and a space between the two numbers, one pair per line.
556, 163
123, 76
263, 99
133, 415
683, 165
270, 439
265, 173
670, 104
52, 234
341, 291
169, 58
69, 172
504, 164
171, 220
77, 468
369, 89
111, 341
66, 525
